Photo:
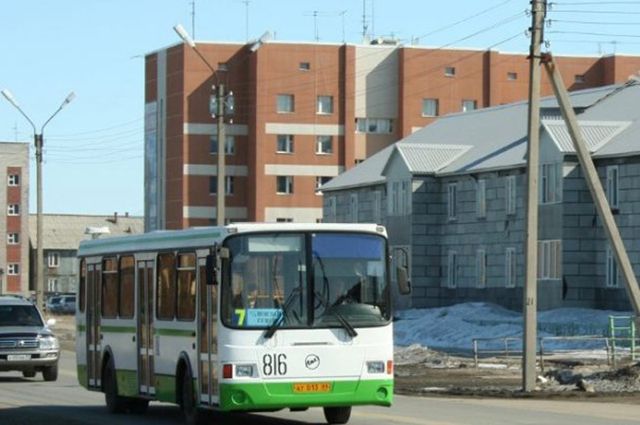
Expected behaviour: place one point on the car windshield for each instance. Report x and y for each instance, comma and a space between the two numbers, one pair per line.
19, 315
295, 280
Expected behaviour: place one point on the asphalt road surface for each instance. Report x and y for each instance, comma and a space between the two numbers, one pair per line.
35, 402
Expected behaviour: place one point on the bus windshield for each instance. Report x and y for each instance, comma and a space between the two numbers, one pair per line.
303, 280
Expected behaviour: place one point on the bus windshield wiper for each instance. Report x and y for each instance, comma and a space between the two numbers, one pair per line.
285, 310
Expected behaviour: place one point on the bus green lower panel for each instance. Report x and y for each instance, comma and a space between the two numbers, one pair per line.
81, 372
165, 388
265, 396
127, 382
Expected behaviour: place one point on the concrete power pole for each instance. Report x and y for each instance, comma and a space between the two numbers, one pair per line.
220, 211
529, 304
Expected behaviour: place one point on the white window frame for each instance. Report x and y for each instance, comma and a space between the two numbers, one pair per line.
13, 238
229, 184
452, 200
288, 185
53, 260
287, 142
510, 195
284, 220
430, 107
450, 71
52, 284
613, 186
324, 145
13, 209
510, 267
13, 180
374, 125
13, 269
324, 105
481, 198
481, 268
550, 184
320, 181
612, 271
550, 259
469, 102
304, 66
377, 207
285, 103
452, 269
353, 208
229, 145
512, 76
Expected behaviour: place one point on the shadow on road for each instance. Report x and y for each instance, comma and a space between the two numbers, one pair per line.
97, 415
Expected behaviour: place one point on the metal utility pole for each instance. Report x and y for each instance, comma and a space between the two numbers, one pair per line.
595, 186
220, 104
38, 141
529, 304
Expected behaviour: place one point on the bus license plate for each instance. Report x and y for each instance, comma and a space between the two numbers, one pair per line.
18, 357
312, 387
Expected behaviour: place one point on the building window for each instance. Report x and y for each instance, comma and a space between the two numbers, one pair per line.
481, 268
377, 207
13, 180
469, 105
512, 76
374, 125
324, 145
452, 269
510, 195
452, 199
285, 143
612, 185
579, 79
13, 238
325, 105
612, 273
285, 103
320, 181
550, 184
510, 268
284, 220
550, 259
52, 284
430, 107
13, 209
228, 185
53, 259
13, 269
229, 145
304, 66
449, 71
284, 185
481, 198
353, 208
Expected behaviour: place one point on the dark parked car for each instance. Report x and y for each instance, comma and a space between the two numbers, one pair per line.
26, 342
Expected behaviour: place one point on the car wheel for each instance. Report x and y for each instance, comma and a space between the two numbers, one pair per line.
28, 373
115, 403
50, 373
337, 415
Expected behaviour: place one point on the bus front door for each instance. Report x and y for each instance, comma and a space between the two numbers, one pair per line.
145, 328
94, 345
207, 337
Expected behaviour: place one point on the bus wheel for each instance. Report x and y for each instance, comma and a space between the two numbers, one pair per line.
337, 415
115, 403
192, 415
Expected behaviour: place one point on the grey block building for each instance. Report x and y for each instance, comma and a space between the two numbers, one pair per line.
452, 196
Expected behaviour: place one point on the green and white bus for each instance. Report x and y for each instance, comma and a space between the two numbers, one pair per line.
246, 317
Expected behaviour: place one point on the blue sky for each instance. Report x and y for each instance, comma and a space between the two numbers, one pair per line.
94, 147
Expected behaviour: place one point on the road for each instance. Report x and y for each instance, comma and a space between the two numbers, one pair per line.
34, 402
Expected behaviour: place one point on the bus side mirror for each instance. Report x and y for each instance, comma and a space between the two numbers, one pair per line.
404, 285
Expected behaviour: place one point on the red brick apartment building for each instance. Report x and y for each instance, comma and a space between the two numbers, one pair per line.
306, 112
14, 218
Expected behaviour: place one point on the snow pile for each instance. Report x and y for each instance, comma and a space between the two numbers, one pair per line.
455, 327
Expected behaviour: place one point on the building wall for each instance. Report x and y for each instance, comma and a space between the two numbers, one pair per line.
14, 160
64, 277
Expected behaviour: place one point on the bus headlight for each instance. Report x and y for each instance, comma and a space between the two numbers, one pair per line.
244, 371
48, 343
375, 367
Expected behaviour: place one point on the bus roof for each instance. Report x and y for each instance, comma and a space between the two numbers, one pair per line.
205, 237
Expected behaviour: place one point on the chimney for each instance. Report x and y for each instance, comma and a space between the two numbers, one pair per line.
115, 217
126, 214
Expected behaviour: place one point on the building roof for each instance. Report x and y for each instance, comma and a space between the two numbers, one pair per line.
497, 136
65, 231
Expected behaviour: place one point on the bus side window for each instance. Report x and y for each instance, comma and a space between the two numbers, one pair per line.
166, 287
186, 287
109, 287
127, 287
82, 285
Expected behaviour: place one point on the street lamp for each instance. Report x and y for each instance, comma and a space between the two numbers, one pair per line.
38, 142
219, 106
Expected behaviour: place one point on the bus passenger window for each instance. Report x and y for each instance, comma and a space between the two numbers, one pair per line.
166, 290
127, 289
186, 286
82, 284
109, 288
